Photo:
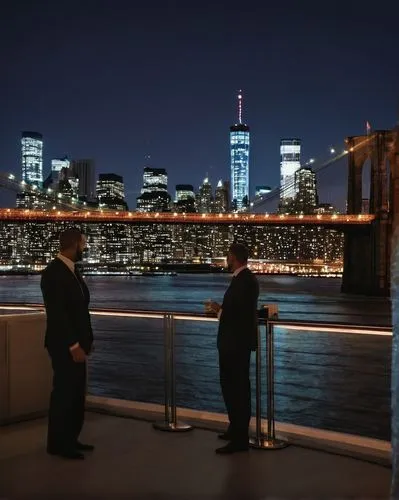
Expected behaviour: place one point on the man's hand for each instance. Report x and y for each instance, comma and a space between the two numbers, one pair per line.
214, 307
78, 354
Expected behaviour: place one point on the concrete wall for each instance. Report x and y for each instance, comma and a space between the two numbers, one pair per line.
25, 369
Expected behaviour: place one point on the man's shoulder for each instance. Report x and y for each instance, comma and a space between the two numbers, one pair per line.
55, 266
248, 278
54, 263
248, 274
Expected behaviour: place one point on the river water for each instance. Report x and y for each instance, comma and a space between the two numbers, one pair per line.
333, 381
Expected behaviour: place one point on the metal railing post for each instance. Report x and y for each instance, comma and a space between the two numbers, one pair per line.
257, 441
172, 371
166, 338
268, 442
168, 380
170, 422
259, 388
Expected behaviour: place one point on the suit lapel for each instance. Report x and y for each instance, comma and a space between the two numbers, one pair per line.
77, 279
82, 284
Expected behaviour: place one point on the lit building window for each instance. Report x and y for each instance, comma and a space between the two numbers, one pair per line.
32, 158
290, 162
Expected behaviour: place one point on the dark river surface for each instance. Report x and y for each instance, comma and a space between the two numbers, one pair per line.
332, 381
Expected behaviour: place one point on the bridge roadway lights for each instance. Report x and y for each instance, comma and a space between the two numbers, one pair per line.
11, 214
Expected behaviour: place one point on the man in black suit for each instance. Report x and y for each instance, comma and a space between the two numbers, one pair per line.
237, 337
69, 340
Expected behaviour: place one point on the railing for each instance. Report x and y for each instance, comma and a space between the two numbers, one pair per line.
266, 337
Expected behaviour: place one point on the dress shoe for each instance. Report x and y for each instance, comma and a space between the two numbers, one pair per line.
232, 448
225, 436
70, 454
83, 447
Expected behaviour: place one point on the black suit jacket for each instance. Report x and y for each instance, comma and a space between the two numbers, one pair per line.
66, 298
238, 323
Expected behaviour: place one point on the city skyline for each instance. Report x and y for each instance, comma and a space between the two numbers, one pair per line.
86, 170
319, 87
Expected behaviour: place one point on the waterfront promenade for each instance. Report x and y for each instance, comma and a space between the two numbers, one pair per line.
133, 461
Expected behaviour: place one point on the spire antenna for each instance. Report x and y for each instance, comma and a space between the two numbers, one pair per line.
240, 107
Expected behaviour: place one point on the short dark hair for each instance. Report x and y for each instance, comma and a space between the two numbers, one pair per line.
240, 252
69, 238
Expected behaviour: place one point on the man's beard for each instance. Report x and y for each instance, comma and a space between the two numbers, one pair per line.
79, 255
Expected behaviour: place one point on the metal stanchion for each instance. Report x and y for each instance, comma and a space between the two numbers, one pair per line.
268, 442
166, 328
257, 442
170, 423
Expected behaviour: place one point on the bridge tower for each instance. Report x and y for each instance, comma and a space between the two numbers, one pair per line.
367, 254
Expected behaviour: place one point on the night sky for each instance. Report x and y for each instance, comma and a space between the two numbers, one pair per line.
119, 80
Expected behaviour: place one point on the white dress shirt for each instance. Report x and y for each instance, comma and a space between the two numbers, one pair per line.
68, 262
237, 271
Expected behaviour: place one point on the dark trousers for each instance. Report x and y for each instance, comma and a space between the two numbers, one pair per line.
67, 402
236, 390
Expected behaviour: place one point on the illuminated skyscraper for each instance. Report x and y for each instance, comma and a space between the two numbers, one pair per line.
59, 163
221, 203
185, 198
85, 170
154, 195
154, 179
205, 197
110, 191
54, 177
239, 153
290, 162
32, 158
184, 192
306, 199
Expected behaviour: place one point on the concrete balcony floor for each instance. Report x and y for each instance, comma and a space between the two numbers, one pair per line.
134, 461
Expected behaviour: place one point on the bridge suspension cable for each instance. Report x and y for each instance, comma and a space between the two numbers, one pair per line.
58, 200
